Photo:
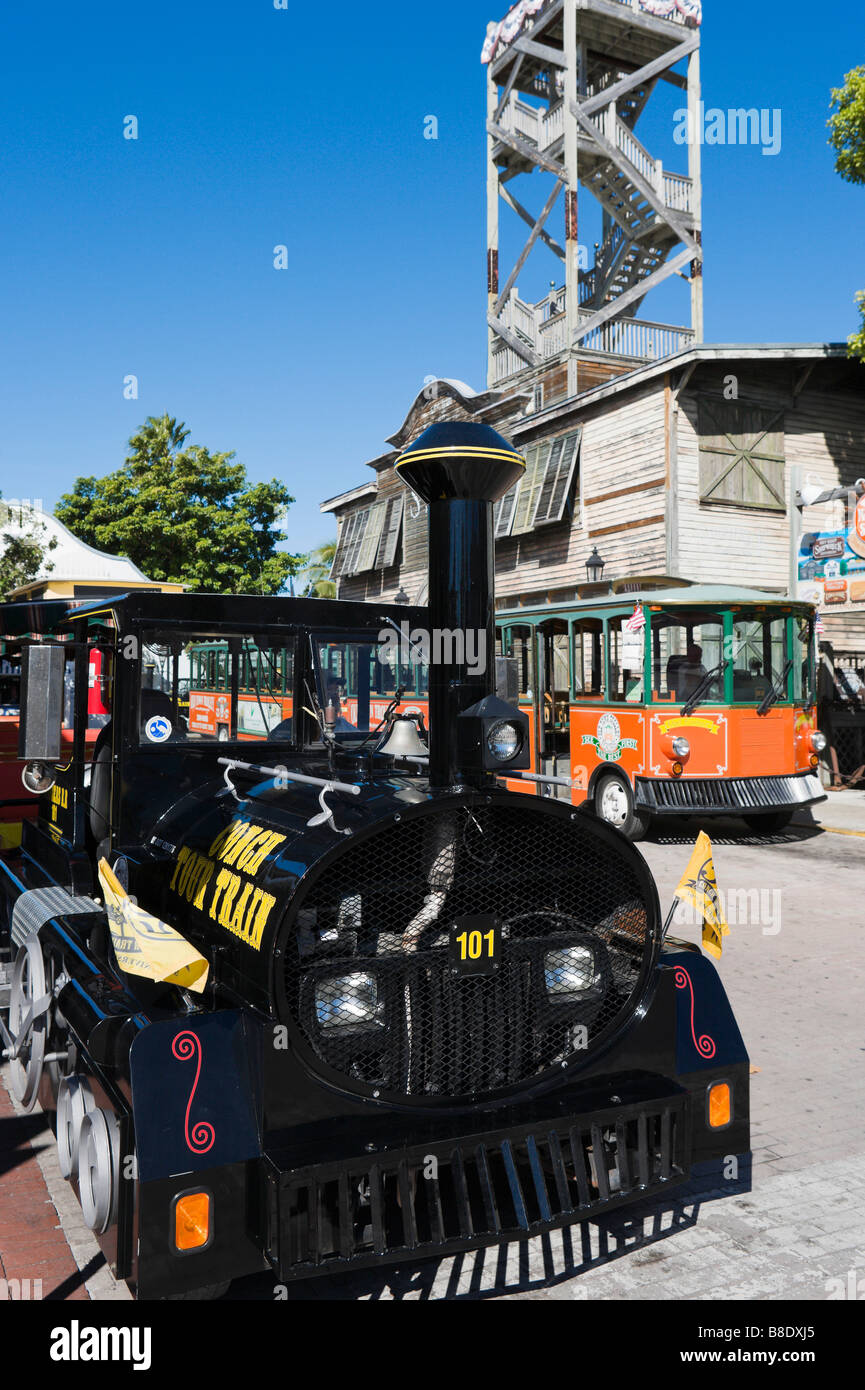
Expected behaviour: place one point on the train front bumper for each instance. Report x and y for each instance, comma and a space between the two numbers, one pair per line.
497, 1185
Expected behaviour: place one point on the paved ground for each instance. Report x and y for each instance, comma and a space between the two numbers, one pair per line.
793, 966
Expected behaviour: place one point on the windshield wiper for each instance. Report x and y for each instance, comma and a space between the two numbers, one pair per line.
775, 693
696, 697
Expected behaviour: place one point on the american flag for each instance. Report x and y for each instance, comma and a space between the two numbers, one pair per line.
819, 626
637, 620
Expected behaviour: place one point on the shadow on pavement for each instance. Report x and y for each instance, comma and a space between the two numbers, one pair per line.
724, 830
521, 1266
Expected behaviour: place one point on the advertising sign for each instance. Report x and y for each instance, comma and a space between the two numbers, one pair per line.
832, 565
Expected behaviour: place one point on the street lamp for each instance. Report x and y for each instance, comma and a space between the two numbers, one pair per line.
595, 567
401, 596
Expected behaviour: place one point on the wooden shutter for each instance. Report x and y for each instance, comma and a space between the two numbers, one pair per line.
347, 531
536, 461
390, 533
503, 514
368, 547
742, 461
556, 484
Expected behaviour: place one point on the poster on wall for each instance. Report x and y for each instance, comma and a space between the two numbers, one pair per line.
832, 565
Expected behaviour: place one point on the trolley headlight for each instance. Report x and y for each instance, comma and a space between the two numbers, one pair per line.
348, 1001
681, 748
504, 740
818, 741
570, 972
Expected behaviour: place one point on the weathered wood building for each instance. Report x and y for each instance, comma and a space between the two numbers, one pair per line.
685, 467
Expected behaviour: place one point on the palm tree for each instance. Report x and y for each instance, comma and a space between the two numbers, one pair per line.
314, 579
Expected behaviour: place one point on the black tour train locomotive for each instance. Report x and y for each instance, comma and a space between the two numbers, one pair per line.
437, 1015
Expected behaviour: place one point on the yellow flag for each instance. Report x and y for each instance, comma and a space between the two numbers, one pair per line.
145, 946
698, 885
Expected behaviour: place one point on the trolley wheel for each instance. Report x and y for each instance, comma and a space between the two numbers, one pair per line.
614, 803
28, 1021
769, 823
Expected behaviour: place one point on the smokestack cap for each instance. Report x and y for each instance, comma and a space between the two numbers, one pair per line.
460, 461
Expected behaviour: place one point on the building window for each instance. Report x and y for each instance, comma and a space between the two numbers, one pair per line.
360, 536
742, 461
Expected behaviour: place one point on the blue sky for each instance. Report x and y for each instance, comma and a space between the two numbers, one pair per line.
306, 127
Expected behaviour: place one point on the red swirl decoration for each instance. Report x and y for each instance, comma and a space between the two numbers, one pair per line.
202, 1135
704, 1044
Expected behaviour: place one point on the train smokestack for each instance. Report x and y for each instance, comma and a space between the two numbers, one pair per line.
460, 470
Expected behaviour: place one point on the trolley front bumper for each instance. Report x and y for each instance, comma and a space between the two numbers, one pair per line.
726, 796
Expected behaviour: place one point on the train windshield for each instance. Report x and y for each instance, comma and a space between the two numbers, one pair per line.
215, 688
361, 678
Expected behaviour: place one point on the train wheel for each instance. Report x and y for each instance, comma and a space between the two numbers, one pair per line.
74, 1101
614, 803
99, 1169
29, 1005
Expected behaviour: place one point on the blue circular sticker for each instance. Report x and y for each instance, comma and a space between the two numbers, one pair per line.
158, 729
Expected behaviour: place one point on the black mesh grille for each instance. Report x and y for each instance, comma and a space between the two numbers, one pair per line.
369, 977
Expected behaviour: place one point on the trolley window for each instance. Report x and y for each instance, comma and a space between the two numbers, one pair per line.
686, 646
360, 678
589, 679
760, 656
803, 665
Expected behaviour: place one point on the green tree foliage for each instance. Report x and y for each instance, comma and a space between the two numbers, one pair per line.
314, 580
847, 137
23, 548
185, 515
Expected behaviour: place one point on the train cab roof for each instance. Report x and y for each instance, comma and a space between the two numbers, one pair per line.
246, 612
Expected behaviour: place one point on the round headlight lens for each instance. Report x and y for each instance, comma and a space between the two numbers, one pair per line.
504, 740
818, 741
569, 972
681, 748
347, 1001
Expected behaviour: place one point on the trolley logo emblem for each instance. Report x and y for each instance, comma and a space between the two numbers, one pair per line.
608, 742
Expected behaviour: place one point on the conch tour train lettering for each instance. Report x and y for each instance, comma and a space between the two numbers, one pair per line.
231, 899
279, 823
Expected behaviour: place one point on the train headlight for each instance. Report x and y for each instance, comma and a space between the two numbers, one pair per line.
818, 741
569, 973
504, 740
681, 748
348, 1001
492, 736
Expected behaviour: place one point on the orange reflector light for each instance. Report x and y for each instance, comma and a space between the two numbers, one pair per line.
192, 1220
677, 769
814, 760
720, 1105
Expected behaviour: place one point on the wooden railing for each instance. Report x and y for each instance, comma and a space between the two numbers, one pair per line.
546, 334
543, 127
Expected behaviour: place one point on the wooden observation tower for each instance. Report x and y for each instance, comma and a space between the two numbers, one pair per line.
567, 83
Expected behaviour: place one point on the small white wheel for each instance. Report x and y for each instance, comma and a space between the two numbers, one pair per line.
614, 803
28, 1013
74, 1101
99, 1169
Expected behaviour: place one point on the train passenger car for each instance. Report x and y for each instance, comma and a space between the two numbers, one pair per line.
339, 998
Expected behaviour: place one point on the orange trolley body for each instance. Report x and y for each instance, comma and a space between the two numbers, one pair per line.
697, 700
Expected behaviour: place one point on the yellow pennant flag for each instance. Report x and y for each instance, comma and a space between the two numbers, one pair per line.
145, 946
699, 886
